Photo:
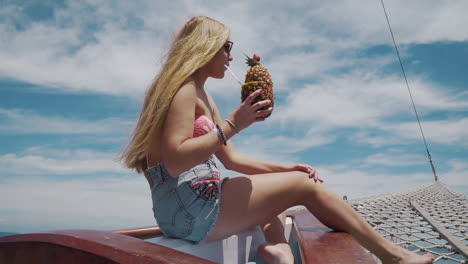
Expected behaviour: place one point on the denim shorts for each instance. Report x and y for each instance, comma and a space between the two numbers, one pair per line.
187, 206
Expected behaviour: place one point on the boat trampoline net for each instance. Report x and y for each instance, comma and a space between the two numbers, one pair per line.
432, 219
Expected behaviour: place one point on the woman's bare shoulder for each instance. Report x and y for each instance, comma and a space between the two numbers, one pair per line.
187, 85
186, 94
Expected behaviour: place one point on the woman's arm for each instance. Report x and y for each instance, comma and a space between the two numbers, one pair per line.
236, 161
181, 151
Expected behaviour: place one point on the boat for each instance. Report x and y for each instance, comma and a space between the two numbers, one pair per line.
431, 218
312, 243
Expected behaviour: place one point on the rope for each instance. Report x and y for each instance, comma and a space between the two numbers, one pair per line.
409, 91
395, 218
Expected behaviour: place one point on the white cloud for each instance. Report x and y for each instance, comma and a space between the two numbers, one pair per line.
366, 101
32, 204
439, 131
283, 144
27, 122
415, 22
376, 139
302, 65
431, 21
114, 47
44, 161
452, 132
115, 61
359, 183
455, 177
117, 64
395, 159
355, 183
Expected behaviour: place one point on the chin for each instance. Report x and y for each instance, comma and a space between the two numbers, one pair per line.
218, 76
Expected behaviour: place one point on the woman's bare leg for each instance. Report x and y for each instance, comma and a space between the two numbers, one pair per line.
254, 200
276, 249
274, 229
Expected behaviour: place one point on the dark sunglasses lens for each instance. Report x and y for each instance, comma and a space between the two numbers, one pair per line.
228, 46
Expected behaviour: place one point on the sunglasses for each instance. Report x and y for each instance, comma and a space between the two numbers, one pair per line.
228, 46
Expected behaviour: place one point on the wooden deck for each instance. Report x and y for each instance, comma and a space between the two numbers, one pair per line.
319, 244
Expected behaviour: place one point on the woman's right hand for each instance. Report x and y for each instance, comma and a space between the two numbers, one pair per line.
247, 113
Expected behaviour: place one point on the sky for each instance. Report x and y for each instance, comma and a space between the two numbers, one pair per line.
73, 75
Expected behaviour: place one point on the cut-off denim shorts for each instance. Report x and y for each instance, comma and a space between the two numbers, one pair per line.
187, 206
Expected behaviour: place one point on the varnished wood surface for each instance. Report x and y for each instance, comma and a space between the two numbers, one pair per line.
321, 245
87, 246
141, 232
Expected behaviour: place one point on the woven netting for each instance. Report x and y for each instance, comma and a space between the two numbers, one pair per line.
397, 220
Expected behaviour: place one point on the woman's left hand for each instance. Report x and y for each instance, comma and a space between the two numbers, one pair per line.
313, 173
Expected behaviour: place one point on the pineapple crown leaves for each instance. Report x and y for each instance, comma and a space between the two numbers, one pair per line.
252, 61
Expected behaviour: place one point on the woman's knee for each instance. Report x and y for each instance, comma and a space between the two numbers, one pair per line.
303, 178
307, 187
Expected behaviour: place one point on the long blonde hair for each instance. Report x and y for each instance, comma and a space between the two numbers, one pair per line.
195, 45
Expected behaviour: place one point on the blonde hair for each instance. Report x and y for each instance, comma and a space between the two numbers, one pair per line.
195, 45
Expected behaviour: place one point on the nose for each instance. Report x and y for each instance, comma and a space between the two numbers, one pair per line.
230, 58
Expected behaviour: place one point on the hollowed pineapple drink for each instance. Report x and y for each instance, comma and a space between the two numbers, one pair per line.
258, 77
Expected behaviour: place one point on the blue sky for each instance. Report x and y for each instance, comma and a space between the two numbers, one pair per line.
73, 75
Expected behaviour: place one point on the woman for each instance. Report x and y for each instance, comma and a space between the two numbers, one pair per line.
179, 131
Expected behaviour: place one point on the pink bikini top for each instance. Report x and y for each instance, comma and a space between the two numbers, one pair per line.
202, 125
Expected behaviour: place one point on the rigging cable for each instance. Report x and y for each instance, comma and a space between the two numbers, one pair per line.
409, 91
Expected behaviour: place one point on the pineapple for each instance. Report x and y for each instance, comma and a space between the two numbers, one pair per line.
257, 77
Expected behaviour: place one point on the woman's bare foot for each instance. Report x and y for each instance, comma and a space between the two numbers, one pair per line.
276, 253
404, 256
